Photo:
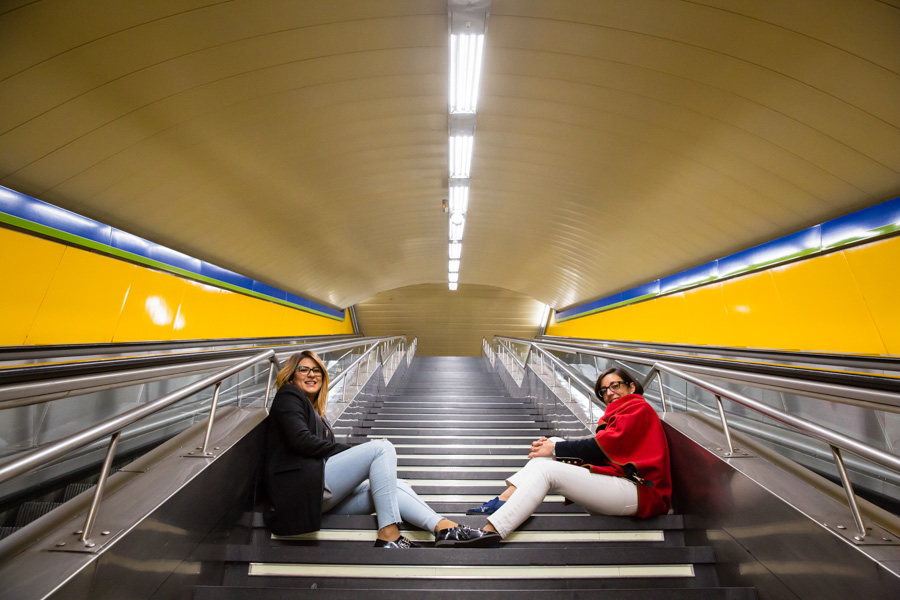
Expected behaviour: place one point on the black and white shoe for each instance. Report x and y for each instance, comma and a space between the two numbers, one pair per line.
465, 537
400, 542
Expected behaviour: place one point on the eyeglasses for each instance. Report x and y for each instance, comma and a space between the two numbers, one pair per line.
316, 371
614, 386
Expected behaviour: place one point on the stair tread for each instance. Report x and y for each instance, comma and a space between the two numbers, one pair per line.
486, 593
537, 523
565, 555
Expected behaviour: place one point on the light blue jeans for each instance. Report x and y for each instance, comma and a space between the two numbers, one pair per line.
364, 479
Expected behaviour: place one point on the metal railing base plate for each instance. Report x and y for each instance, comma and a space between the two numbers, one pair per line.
875, 536
93, 545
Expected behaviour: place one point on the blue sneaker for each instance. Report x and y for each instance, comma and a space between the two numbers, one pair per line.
488, 508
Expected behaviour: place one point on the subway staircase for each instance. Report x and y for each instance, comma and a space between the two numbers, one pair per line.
458, 435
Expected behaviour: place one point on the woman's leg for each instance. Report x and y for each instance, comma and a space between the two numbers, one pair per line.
601, 494
511, 481
413, 509
415, 512
346, 474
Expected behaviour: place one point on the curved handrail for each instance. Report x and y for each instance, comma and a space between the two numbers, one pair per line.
837, 441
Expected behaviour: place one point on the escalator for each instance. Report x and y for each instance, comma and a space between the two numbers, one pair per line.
858, 396
178, 523
48, 393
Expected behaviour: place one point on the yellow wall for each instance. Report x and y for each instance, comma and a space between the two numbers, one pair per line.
57, 294
846, 301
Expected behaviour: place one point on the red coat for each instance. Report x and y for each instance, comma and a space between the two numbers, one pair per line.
632, 439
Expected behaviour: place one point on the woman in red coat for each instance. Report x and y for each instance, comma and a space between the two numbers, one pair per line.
622, 470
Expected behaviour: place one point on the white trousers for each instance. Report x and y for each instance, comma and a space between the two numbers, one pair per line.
599, 494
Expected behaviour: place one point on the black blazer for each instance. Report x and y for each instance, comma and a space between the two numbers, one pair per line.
298, 444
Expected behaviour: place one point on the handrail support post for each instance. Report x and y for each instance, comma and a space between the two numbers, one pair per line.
98, 491
724, 425
272, 365
662, 392
204, 450
851, 496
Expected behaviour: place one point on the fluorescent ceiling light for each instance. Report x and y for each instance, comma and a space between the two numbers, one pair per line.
459, 198
454, 266
457, 224
455, 249
454, 277
453, 286
461, 155
465, 71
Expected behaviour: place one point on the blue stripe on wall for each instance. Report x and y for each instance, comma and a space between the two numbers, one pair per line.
868, 223
41, 213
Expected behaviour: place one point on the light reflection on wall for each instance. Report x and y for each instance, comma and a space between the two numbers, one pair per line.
158, 311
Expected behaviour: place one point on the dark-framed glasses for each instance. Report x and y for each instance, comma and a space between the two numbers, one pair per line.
316, 371
614, 386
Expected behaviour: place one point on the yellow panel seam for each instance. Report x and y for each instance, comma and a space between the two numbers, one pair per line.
44, 297
115, 329
865, 300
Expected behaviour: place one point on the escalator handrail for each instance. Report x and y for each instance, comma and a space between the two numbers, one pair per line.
885, 459
813, 384
829, 436
20, 374
23, 394
857, 361
58, 449
755, 363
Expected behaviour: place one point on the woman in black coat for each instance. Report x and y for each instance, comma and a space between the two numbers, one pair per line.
307, 472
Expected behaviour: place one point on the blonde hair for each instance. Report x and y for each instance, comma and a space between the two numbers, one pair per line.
286, 374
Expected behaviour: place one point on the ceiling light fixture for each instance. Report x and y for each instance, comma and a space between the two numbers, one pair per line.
465, 71
459, 198
467, 28
461, 155
457, 224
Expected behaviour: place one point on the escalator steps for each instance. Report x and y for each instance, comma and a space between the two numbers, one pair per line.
30, 511
73, 489
5, 531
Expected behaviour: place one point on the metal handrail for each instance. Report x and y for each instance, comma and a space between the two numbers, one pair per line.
354, 367
864, 398
512, 354
24, 394
572, 376
835, 440
412, 351
113, 427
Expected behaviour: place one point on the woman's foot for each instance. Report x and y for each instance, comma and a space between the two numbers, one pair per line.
465, 537
488, 508
400, 542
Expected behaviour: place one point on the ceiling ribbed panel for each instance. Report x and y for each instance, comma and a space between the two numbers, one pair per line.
304, 144
449, 323
616, 144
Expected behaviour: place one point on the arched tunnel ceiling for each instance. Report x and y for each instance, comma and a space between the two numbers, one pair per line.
305, 143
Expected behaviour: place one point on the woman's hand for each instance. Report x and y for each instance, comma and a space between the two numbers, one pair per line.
542, 448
